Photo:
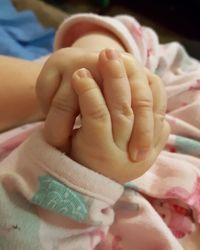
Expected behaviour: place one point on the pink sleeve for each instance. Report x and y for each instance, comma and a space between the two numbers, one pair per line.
48, 201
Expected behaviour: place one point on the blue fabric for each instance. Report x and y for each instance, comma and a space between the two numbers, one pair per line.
21, 35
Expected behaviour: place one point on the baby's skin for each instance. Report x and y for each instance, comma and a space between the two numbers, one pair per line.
122, 108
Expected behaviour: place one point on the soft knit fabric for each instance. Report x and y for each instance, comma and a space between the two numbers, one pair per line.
50, 202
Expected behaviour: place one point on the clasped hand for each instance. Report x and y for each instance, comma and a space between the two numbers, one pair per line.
122, 108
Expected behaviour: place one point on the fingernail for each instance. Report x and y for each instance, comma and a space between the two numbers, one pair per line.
140, 155
111, 54
84, 73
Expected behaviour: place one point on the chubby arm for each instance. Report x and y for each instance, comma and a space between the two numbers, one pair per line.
98, 40
18, 102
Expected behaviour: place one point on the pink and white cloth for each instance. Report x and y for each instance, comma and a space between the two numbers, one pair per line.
50, 202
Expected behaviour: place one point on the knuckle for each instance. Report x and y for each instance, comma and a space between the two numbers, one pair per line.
59, 59
59, 53
125, 110
146, 103
53, 58
86, 86
60, 103
99, 113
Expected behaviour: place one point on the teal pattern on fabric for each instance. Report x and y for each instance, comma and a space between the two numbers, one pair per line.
188, 146
57, 197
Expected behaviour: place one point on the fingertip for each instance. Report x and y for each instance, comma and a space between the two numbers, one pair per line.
83, 73
101, 59
80, 79
109, 54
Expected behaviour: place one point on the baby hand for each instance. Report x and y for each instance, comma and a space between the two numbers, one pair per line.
107, 136
107, 133
147, 92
